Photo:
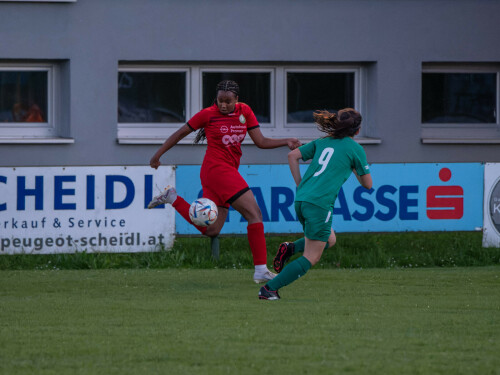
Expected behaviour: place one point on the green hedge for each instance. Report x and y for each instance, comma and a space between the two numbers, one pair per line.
372, 250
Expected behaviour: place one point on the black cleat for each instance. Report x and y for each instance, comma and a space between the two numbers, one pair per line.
285, 251
270, 295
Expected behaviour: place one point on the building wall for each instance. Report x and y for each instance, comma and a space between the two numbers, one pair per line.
392, 38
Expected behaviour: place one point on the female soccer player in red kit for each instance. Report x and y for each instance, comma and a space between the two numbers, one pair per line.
225, 125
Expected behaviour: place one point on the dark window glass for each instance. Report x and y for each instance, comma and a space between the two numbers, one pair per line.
23, 96
308, 92
458, 97
255, 90
158, 97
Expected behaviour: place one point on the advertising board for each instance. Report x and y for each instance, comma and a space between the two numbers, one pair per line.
491, 232
404, 197
95, 209
104, 209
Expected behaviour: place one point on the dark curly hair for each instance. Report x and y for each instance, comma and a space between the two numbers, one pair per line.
343, 124
226, 85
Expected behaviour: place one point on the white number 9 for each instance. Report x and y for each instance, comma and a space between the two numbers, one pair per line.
323, 160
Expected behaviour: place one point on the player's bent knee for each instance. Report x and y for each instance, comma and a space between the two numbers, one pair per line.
212, 231
252, 217
332, 240
313, 259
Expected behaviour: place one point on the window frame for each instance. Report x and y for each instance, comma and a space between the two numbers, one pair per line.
40, 132
39, 1
233, 69
304, 129
277, 128
128, 132
459, 132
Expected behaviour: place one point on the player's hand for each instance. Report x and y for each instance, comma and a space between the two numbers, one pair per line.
154, 162
293, 143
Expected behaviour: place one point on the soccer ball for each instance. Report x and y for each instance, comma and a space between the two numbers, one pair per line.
203, 212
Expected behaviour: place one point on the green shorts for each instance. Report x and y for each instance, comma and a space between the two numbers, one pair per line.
316, 221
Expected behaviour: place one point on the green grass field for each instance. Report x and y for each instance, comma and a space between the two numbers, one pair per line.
353, 250
209, 321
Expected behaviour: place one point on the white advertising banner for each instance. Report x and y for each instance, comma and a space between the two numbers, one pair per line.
491, 221
47, 210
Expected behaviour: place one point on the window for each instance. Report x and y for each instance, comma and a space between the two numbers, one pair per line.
23, 96
460, 104
255, 90
151, 97
154, 101
28, 110
307, 92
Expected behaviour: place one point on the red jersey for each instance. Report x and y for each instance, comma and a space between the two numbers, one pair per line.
224, 132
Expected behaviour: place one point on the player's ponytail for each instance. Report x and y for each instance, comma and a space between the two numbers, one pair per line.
200, 136
343, 124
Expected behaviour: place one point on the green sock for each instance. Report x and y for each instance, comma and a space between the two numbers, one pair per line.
290, 273
300, 244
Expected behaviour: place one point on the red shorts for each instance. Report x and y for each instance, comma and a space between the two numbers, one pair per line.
221, 182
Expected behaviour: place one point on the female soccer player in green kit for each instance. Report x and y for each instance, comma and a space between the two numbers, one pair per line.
334, 157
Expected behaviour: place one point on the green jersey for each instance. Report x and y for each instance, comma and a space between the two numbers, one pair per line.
332, 163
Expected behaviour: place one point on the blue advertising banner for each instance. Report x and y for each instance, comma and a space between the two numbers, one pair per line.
404, 197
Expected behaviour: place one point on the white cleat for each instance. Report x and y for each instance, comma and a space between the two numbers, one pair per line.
263, 277
168, 196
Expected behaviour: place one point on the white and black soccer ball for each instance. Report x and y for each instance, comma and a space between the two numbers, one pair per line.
203, 212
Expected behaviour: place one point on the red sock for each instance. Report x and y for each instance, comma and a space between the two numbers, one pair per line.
257, 243
182, 207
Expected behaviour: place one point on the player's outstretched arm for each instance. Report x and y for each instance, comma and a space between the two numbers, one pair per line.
168, 144
293, 163
365, 180
264, 142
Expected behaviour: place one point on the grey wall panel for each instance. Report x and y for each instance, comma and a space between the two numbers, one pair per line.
396, 37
